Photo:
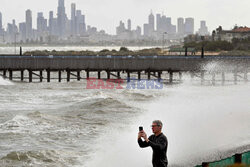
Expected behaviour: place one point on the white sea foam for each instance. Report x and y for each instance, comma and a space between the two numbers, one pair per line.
5, 82
201, 123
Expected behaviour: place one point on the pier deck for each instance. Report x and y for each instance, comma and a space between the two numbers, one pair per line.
128, 64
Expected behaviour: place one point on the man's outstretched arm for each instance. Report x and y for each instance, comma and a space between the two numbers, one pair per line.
158, 146
142, 144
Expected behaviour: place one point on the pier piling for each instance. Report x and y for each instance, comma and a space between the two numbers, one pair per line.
119, 75
78, 75
108, 74
30, 76
170, 76
10, 75
128, 73
41, 76
22, 75
87, 73
68, 75
59, 76
149, 75
48, 75
99, 74
4, 74
139, 75
159, 76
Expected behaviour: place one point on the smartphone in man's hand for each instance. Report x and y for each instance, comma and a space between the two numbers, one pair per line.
140, 128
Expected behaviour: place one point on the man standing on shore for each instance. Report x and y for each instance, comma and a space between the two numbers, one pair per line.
159, 143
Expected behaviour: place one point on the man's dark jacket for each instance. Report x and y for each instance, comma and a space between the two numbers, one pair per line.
159, 145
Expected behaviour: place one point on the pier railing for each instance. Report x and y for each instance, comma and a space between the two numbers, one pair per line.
243, 159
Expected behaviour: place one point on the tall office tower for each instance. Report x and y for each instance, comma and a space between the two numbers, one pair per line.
52, 24
146, 30
120, 29
28, 22
151, 23
203, 29
41, 23
181, 26
1, 23
158, 22
61, 18
129, 24
12, 32
51, 17
189, 26
168, 25
22, 31
73, 19
80, 23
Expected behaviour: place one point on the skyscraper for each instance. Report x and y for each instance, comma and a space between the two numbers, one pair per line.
181, 26
28, 22
80, 23
203, 28
158, 22
73, 19
129, 24
120, 29
61, 18
51, 17
146, 30
22, 31
41, 23
151, 23
189, 26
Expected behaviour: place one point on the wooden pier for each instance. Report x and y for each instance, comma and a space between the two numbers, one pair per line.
154, 67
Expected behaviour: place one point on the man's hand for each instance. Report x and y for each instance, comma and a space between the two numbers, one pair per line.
144, 135
140, 134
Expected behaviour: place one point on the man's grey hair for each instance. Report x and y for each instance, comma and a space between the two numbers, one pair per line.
158, 122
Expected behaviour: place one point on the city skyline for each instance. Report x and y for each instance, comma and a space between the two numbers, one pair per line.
73, 28
214, 16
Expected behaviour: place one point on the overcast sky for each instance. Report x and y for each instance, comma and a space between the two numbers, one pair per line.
106, 14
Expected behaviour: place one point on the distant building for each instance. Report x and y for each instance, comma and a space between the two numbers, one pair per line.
120, 29
28, 22
73, 19
158, 22
61, 18
229, 35
146, 29
12, 32
41, 24
22, 32
52, 25
203, 30
129, 25
138, 31
151, 23
180, 26
189, 26
80, 23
